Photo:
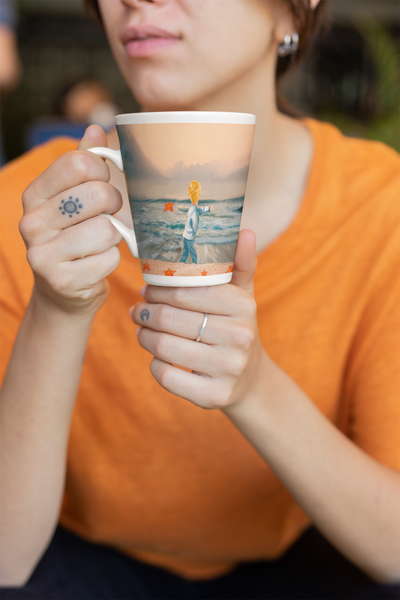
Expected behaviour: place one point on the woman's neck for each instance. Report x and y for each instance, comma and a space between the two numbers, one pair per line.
281, 157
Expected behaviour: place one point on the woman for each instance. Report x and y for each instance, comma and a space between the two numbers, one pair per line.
302, 394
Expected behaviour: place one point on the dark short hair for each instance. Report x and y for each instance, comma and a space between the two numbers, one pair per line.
307, 23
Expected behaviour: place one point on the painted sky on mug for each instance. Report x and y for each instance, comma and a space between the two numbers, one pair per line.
161, 159
191, 143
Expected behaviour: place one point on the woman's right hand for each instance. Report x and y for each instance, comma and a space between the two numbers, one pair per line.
71, 249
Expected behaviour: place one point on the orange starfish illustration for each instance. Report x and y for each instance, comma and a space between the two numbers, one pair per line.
146, 267
169, 206
204, 272
169, 273
230, 270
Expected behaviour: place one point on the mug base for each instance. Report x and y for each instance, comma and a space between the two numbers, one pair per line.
188, 281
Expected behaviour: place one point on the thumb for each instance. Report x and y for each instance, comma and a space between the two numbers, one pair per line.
245, 261
93, 136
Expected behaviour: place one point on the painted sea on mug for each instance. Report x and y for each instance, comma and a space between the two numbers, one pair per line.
186, 185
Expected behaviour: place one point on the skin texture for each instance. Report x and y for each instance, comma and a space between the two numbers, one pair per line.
224, 60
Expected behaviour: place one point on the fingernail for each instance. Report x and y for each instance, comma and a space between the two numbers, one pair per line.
143, 290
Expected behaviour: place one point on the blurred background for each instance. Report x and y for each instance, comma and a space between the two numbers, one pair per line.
65, 76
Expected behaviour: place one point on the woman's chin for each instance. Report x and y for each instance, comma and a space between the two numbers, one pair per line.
160, 104
162, 96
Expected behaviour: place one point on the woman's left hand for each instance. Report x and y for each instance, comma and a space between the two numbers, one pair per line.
225, 364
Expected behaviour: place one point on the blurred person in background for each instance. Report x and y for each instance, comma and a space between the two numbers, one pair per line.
115, 484
87, 101
10, 64
79, 103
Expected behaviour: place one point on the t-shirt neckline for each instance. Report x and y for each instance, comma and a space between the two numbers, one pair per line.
282, 244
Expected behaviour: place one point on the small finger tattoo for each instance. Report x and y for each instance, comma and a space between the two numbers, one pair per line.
145, 315
70, 206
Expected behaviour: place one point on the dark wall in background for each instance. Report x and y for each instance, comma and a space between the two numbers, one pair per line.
56, 49
352, 78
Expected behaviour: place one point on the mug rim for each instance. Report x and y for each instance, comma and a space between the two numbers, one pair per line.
144, 118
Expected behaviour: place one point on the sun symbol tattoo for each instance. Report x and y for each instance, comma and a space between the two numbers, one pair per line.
70, 206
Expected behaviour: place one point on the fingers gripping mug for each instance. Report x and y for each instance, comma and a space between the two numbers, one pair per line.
186, 174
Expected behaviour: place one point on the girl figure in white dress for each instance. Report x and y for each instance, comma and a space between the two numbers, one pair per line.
192, 223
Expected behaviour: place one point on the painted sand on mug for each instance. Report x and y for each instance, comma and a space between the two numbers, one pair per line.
186, 185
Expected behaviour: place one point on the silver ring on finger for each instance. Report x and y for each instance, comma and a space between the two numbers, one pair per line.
198, 339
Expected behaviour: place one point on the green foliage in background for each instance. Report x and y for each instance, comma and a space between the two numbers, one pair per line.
385, 124
385, 53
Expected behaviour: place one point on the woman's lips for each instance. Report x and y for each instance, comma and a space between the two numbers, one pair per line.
148, 46
146, 39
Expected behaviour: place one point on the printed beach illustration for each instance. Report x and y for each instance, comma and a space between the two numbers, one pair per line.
186, 185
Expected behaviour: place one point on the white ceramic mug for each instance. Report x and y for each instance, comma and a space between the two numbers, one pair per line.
186, 174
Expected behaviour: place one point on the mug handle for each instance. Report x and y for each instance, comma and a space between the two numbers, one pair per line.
128, 234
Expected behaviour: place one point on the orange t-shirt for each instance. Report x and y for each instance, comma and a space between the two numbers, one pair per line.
180, 487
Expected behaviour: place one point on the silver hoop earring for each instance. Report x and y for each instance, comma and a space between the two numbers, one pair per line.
290, 45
